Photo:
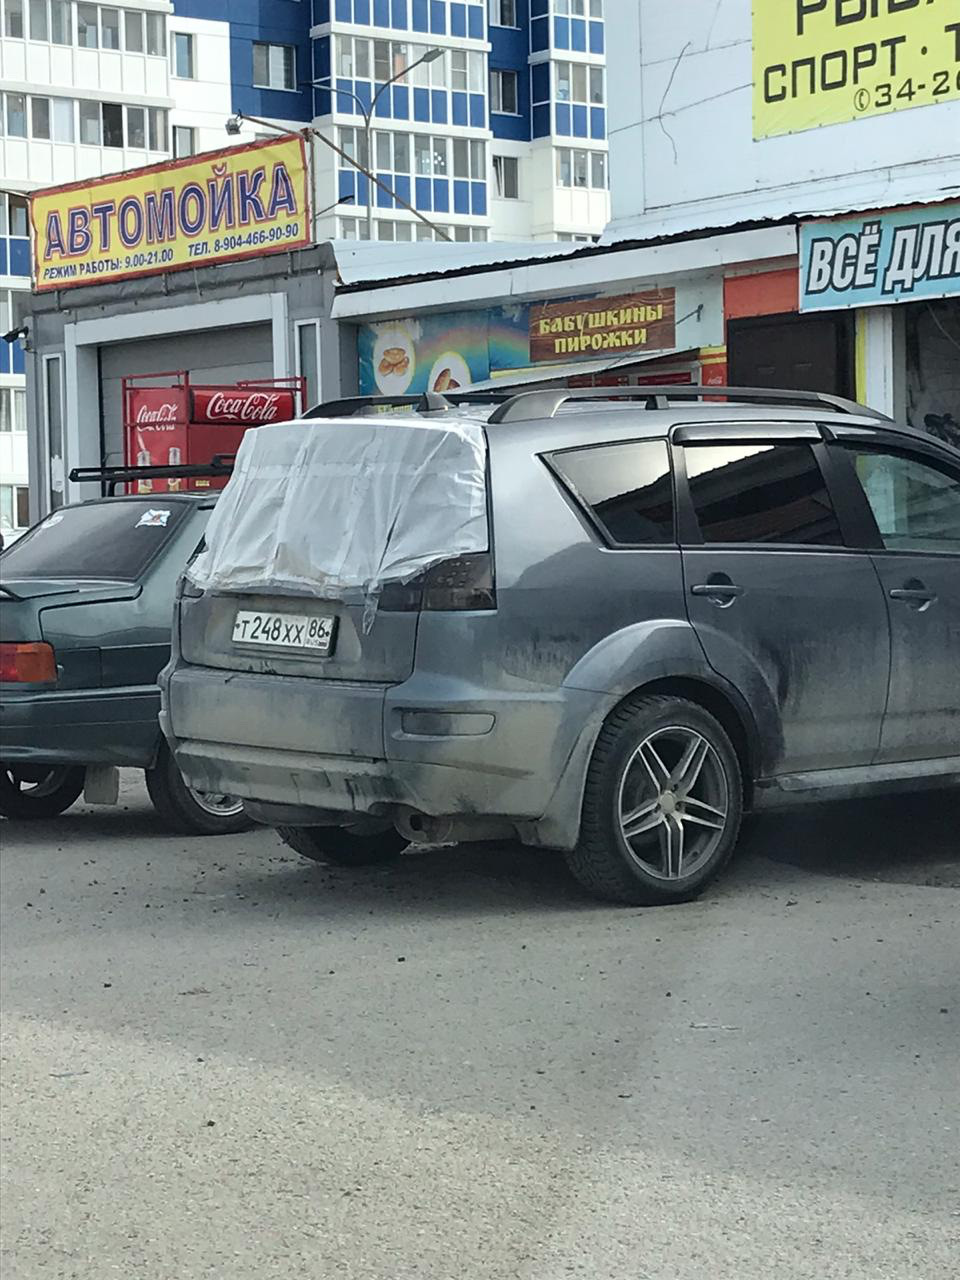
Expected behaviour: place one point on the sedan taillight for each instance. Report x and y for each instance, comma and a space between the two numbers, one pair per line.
22, 663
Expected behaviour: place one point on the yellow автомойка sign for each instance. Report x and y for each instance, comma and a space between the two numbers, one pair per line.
237, 203
819, 62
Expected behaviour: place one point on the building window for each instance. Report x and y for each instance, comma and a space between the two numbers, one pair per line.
16, 115
13, 409
274, 66
503, 92
137, 128
182, 55
430, 156
577, 82
596, 8
90, 123
88, 26
110, 28
184, 141
64, 111
61, 22
506, 177
19, 216
39, 24
583, 169
112, 124
13, 19
503, 13
156, 35
469, 159
157, 121
40, 117
133, 31
353, 142
14, 506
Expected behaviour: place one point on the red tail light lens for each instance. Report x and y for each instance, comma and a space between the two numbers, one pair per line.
27, 664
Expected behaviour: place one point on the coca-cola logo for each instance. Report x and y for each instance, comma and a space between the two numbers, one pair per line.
250, 407
159, 413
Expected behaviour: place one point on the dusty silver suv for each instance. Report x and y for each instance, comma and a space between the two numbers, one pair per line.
601, 625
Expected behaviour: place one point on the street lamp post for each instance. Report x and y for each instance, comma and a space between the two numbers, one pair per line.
431, 55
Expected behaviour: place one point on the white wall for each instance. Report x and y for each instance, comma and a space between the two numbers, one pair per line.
682, 152
205, 102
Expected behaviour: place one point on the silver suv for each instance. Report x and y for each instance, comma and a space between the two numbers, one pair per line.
680, 603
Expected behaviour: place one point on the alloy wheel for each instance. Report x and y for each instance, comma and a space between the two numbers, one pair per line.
673, 803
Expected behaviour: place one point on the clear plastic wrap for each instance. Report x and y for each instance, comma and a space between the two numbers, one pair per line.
337, 508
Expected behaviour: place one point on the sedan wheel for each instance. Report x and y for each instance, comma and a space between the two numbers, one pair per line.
38, 791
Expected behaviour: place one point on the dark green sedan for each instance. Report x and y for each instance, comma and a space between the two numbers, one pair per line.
86, 598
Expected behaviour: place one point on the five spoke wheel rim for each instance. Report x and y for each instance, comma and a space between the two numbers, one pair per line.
220, 806
673, 803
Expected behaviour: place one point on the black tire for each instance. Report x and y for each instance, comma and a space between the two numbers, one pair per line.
340, 847
39, 792
602, 861
185, 811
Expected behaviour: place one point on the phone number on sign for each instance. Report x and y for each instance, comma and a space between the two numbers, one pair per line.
246, 240
942, 85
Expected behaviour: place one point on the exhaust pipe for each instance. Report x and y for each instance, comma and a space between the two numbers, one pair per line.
423, 829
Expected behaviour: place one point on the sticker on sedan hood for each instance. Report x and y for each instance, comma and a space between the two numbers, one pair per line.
154, 518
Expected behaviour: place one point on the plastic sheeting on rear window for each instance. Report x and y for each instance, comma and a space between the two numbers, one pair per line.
337, 508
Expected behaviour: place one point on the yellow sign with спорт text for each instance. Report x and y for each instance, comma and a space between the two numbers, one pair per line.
240, 202
818, 62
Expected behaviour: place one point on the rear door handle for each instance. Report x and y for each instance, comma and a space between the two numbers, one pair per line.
721, 592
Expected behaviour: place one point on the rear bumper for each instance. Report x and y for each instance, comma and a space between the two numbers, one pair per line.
506, 756
81, 727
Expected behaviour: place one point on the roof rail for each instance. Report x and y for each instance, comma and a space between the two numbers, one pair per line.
221, 464
423, 402
526, 406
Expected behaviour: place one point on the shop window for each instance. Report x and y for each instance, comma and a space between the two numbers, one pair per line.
506, 176
758, 494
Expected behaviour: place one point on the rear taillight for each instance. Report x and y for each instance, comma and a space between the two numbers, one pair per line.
461, 583
27, 664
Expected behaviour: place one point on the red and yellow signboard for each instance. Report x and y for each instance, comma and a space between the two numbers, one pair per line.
597, 326
220, 206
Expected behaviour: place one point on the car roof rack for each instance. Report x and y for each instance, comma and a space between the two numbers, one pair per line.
221, 464
527, 406
424, 402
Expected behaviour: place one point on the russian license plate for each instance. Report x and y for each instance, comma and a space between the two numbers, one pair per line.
285, 631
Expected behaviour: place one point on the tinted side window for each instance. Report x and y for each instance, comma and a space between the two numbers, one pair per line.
627, 486
761, 494
916, 505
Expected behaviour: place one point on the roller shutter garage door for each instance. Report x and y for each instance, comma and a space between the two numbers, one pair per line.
209, 355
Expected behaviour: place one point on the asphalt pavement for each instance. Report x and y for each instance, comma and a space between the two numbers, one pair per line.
221, 1061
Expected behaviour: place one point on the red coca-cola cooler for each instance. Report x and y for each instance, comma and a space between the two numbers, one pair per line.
170, 421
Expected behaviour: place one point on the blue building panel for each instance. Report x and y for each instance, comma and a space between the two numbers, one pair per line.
579, 121
18, 363
461, 196
441, 195
420, 15
598, 123
540, 81
578, 35
564, 126
3, 258
423, 193
363, 187
401, 185
346, 183
361, 12
561, 33
458, 104
475, 22
438, 112
478, 114
343, 10
478, 199
321, 12
458, 19
438, 17
538, 8
382, 109
540, 125
401, 102
5, 358
539, 35
421, 106
398, 13
381, 13
596, 37
383, 199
